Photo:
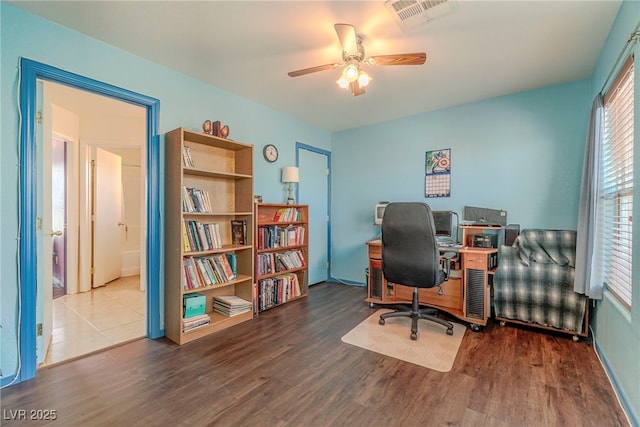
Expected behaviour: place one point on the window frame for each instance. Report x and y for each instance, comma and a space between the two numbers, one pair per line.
617, 184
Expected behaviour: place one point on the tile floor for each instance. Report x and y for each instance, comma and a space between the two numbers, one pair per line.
90, 321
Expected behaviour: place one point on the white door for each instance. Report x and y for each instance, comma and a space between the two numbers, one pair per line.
107, 216
58, 215
314, 191
44, 231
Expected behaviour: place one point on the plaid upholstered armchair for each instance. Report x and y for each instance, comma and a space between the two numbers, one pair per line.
534, 282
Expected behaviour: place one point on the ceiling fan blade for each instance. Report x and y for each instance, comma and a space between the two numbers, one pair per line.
312, 70
347, 35
399, 59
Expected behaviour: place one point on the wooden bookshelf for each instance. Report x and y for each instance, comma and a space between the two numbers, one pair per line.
216, 175
282, 251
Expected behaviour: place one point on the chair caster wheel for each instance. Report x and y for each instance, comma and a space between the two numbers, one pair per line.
449, 331
381, 321
502, 323
475, 328
414, 336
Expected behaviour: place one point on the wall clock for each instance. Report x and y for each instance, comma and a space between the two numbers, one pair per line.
270, 153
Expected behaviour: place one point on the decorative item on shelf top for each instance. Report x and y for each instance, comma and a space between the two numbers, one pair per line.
215, 128
207, 126
290, 176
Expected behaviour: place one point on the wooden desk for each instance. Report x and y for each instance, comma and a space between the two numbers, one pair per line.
466, 295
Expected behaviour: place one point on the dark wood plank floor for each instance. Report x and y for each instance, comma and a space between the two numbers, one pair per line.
289, 367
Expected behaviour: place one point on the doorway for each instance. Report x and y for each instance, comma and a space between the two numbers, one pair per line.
100, 143
30, 72
315, 190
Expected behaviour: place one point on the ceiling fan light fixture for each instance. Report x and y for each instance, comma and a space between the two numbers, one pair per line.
350, 73
343, 83
364, 79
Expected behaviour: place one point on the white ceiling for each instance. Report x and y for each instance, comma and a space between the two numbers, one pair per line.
485, 49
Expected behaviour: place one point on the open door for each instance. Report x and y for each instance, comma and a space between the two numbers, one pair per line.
107, 217
44, 230
59, 216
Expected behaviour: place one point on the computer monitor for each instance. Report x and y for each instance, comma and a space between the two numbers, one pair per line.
444, 224
378, 212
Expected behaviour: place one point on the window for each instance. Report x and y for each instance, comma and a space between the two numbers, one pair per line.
617, 184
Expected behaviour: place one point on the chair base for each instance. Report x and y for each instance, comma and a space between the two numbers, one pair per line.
416, 313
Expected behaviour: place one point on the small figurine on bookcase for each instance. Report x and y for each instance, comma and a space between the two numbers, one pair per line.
207, 126
224, 131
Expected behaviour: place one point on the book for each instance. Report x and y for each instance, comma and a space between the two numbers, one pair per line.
231, 305
216, 126
186, 157
233, 263
195, 322
239, 231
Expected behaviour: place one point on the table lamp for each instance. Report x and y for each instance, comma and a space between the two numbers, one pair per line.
290, 175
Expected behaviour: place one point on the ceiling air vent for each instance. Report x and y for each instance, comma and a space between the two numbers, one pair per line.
414, 13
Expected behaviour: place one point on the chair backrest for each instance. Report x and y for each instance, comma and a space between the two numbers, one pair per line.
410, 254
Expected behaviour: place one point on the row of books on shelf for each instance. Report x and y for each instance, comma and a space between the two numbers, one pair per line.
196, 200
273, 262
198, 236
289, 214
187, 160
277, 290
208, 270
231, 305
274, 236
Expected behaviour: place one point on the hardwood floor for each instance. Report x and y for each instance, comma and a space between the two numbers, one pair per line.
288, 367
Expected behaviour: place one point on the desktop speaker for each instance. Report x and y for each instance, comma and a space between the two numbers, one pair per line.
511, 231
485, 216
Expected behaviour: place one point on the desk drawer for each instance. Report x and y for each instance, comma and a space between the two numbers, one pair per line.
475, 260
375, 251
451, 294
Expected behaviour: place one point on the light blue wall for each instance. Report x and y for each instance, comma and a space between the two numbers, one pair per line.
184, 101
617, 330
522, 153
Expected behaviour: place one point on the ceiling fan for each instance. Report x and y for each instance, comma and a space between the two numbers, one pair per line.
353, 77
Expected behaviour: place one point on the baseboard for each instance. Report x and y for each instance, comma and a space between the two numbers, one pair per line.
624, 401
131, 271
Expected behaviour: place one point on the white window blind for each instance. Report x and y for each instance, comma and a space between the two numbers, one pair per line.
617, 184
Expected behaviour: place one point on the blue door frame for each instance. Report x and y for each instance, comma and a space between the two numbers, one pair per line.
30, 71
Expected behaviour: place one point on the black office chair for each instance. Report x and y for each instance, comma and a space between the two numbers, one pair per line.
410, 257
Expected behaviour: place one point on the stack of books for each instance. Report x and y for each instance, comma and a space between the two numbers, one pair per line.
195, 322
231, 305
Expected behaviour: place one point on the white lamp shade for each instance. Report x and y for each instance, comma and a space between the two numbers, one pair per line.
290, 174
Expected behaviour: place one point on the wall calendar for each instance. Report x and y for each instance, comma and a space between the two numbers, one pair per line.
437, 181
